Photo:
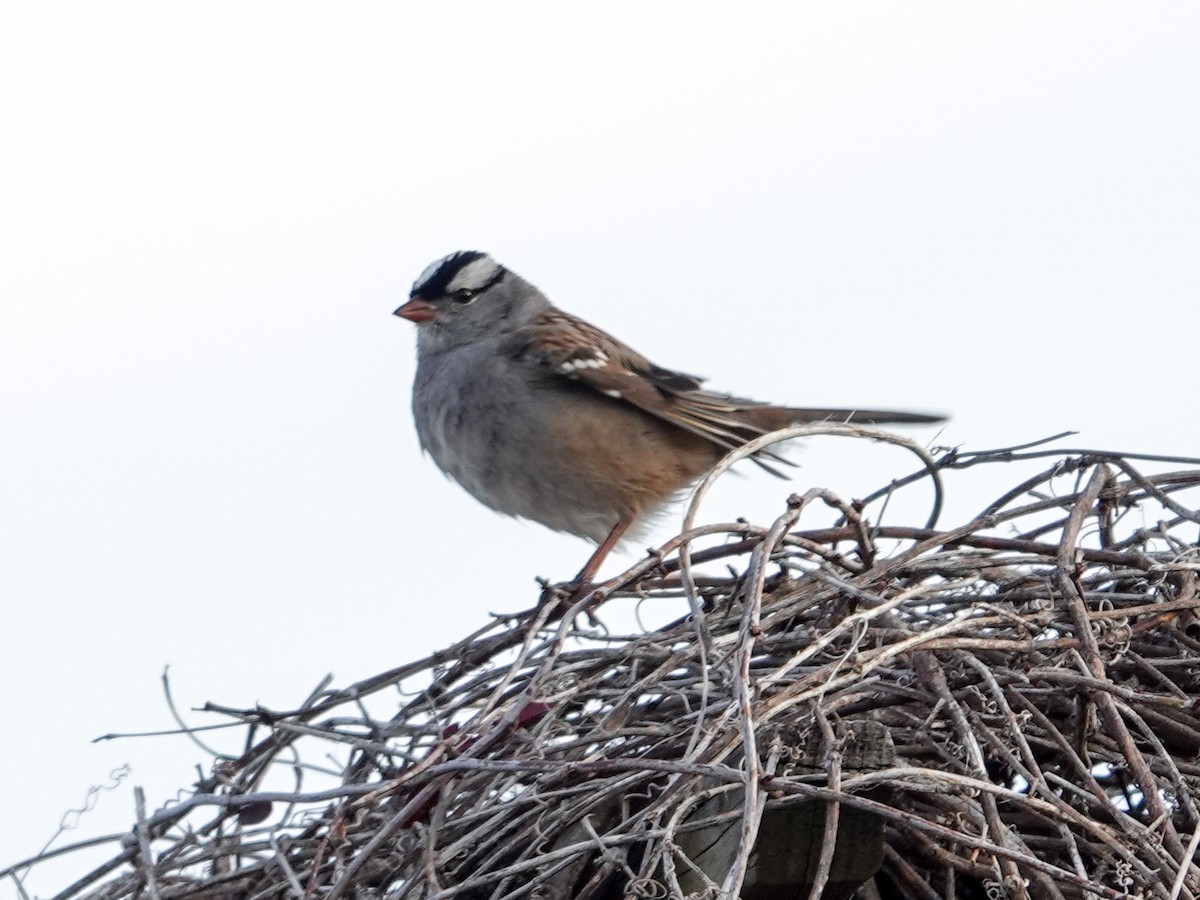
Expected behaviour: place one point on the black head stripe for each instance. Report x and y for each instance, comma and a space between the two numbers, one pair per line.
434, 281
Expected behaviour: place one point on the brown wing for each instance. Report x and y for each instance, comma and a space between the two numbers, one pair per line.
574, 349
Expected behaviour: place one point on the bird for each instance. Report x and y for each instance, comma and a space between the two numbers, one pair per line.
543, 416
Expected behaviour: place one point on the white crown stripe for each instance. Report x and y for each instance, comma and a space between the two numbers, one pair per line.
428, 273
474, 276
461, 270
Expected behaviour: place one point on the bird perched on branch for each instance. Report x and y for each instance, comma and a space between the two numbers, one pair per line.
539, 414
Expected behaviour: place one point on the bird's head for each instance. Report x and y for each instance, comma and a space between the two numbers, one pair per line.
468, 296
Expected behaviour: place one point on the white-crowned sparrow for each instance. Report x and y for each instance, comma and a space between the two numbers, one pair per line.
541, 415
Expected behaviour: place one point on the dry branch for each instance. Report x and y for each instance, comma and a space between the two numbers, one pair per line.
1012, 703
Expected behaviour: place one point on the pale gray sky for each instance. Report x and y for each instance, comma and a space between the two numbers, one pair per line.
209, 211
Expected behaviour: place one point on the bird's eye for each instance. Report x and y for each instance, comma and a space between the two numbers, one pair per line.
463, 295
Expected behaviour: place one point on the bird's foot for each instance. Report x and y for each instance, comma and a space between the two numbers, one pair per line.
568, 592
576, 595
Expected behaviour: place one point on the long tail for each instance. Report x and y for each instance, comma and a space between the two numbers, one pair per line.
731, 421
797, 416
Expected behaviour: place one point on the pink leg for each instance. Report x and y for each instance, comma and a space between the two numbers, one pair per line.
588, 572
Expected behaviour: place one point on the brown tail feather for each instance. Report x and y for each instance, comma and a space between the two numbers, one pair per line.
772, 418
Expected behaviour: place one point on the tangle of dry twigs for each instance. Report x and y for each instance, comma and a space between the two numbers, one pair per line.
1032, 674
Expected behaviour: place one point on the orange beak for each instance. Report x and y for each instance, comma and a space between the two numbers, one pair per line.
418, 310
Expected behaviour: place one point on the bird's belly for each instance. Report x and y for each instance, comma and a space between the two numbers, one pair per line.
569, 459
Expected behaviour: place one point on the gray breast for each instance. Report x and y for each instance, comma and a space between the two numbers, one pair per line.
488, 424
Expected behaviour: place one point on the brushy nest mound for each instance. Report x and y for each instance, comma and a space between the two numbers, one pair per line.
1001, 709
